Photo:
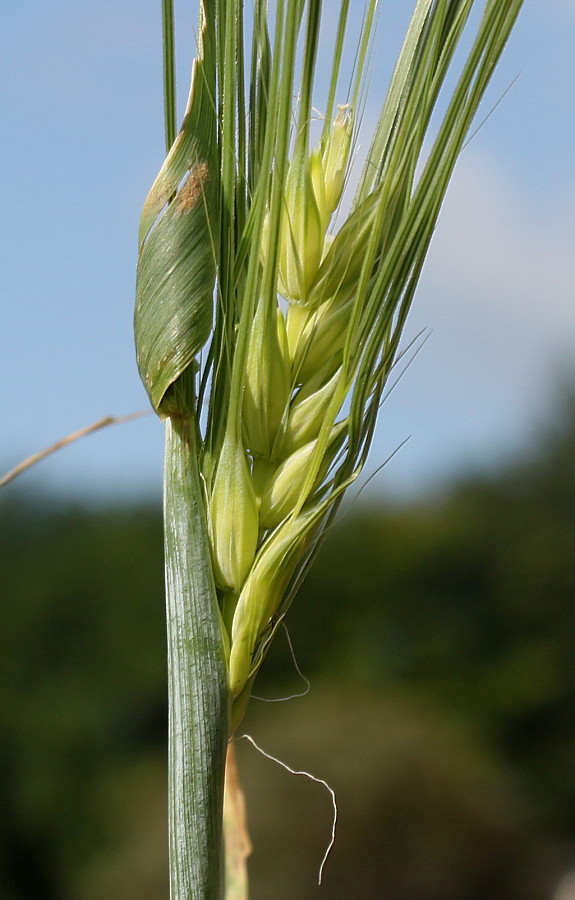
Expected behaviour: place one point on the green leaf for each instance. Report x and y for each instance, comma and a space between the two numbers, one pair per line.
178, 242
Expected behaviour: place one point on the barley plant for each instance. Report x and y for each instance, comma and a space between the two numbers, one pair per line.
267, 324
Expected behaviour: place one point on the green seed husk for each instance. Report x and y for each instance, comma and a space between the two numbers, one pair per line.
233, 517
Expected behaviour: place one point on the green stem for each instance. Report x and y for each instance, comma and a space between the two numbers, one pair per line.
197, 681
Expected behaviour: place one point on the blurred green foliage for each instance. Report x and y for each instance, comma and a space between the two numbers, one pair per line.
439, 639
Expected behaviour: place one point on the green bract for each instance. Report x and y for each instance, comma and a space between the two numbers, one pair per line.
335, 157
302, 229
267, 383
232, 501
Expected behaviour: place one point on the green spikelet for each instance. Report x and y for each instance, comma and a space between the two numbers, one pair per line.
316, 338
283, 492
335, 157
303, 227
309, 408
268, 381
262, 593
233, 517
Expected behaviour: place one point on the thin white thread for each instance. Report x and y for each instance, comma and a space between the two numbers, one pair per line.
298, 670
284, 765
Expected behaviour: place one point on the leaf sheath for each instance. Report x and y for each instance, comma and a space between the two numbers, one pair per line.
197, 684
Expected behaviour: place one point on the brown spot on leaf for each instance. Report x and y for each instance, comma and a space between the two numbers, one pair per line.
160, 194
192, 189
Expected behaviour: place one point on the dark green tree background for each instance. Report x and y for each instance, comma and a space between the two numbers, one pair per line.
439, 639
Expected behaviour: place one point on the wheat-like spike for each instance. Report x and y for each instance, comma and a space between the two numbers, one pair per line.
301, 320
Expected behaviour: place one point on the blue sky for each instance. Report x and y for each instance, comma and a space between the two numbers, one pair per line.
82, 138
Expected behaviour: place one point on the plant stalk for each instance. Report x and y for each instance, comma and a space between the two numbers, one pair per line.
197, 681
236, 838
